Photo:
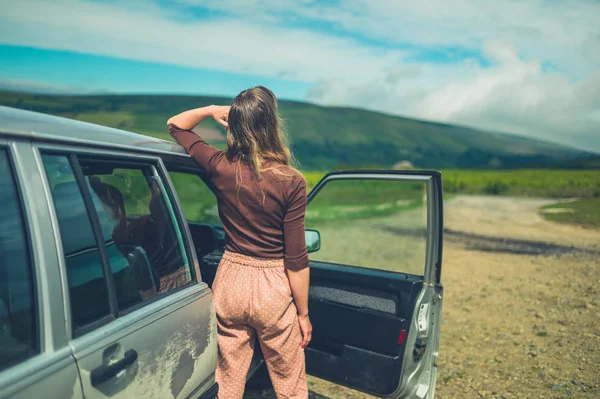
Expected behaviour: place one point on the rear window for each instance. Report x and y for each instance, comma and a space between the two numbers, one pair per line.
121, 239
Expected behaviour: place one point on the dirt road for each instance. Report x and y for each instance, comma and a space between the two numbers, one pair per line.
521, 315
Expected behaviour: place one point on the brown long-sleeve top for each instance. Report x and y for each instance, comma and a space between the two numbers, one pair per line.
261, 219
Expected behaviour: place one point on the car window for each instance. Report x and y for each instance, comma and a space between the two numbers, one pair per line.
140, 231
88, 291
378, 224
18, 326
198, 201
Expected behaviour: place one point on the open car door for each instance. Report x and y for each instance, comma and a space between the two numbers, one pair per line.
375, 294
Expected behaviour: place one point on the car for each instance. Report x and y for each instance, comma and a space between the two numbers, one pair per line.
110, 241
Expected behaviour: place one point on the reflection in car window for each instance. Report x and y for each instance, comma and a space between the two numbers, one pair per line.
18, 335
379, 224
140, 233
197, 200
87, 287
138, 225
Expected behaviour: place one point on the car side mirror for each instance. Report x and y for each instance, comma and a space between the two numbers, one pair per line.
313, 240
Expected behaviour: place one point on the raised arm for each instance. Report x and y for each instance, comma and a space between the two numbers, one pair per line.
181, 125
189, 119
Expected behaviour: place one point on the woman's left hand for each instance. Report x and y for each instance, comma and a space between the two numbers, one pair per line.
306, 328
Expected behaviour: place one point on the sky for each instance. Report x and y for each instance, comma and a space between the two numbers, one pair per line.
525, 67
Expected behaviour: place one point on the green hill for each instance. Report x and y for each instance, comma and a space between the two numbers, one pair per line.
592, 162
323, 137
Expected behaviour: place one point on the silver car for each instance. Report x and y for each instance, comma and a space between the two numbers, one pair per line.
110, 241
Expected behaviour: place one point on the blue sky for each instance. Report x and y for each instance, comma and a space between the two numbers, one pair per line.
531, 68
70, 72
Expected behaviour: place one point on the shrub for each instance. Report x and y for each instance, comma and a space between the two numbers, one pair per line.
495, 187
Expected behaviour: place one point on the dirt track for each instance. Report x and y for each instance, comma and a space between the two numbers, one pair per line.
521, 315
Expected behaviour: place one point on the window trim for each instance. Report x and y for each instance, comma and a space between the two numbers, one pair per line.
163, 171
156, 168
428, 179
74, 164
136, 161
27, 235
98, 236
172, 166
172, 214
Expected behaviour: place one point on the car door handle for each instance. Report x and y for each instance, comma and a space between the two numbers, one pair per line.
106, 372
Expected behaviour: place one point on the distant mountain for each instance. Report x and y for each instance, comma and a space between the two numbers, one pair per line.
323, 137
592, 162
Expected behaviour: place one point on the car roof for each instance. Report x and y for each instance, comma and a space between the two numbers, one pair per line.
34, 125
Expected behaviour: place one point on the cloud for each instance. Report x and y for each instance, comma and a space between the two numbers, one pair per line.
144, 32
513, 96
566, 33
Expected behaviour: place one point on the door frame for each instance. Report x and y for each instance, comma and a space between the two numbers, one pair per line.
139, 159
435, 210
96, 336
54, 361
417, 377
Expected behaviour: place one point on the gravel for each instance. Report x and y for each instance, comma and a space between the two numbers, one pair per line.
521, 316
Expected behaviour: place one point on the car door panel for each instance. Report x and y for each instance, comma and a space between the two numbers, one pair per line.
174, 345
35, 309
375, 327
159, 340
358, 319
32, 378
346, 304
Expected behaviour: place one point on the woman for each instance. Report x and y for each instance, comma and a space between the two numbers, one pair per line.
261, 286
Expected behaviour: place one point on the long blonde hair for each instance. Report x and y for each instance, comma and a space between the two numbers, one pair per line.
256, 136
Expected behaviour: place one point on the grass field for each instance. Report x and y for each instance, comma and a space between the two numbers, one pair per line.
583, 185
528, 183
584, 212
343, 200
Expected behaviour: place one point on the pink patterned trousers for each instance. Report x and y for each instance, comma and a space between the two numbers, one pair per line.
253, 299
